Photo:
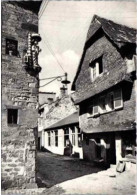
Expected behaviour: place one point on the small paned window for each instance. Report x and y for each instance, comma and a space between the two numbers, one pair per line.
12, 116
56, 138
49, 139
95, 107
96, 68
102, 104
66, 137
11, 47
118, 100
110, 102
73, 136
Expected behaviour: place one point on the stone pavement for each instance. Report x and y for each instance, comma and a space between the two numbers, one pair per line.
106, 182
76, 180
54, 169
101, 183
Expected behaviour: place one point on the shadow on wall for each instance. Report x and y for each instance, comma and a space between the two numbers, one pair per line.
42, 149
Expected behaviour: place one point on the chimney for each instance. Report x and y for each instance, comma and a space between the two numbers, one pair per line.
63, 91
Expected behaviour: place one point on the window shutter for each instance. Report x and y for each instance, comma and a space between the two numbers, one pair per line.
118, 100
90, 110
97, 69
91, 72
95, 108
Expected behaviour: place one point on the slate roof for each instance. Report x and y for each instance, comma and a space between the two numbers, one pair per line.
116, 32
119, 34
70, 120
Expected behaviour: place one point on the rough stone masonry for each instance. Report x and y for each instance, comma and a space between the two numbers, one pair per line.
19, 97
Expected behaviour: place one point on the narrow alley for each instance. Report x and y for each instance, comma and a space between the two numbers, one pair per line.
53, 169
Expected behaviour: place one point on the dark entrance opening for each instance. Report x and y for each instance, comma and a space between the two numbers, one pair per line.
112, 150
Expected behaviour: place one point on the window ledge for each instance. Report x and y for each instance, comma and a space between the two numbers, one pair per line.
100, 75
13, 125
12, 56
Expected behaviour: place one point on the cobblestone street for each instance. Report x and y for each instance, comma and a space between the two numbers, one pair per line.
60, 175
54, 169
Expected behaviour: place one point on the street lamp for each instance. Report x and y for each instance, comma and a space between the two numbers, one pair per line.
58, 78
65, 81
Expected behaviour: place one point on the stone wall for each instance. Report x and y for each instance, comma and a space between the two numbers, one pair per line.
19, 91
60, 109
112, 63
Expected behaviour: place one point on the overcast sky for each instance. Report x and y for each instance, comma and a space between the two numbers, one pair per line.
63, 27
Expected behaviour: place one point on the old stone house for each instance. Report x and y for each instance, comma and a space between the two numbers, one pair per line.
105, 92
60, 127
45, 102
20, 83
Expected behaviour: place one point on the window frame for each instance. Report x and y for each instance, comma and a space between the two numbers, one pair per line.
107, 103
14, 52
66, 134
101, 111
49, 138
115, 98
56, 137
95, 66
12, 117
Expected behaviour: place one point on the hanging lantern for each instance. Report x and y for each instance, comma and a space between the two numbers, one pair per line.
65, 81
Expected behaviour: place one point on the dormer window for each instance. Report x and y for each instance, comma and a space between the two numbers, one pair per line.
96, 68
11, 47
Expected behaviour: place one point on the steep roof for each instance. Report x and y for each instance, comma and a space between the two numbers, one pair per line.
67, 121
117, 33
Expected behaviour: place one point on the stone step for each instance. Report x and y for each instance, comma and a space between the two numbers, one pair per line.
113, 166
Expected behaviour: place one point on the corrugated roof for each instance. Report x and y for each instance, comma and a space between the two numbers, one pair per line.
70, 120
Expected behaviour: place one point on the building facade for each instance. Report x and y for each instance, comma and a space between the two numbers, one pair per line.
64, 137
20, 83
45, 102
105, 92
57, 126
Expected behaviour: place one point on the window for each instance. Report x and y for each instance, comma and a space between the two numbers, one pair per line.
12, 116
56, 138
102, 104
11, 47
118, 100
66, 137
73, 136
49, 139
109, 102
96, 68
95, 108
90, 110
